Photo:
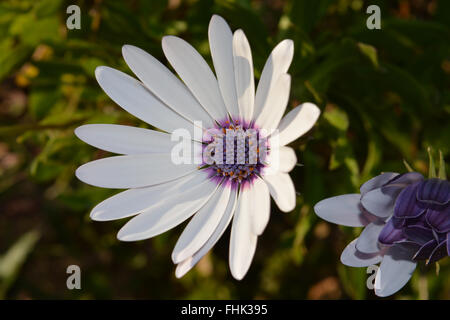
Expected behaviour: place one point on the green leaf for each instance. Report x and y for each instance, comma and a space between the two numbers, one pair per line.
12, 261
45, 8
337, 118
353, 281
12, 55
34, 31
431, 167
442, 173
42, 102
370, 52
408, 167
374, 154
407, 86
313, 91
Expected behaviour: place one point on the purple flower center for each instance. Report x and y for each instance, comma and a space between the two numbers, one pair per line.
422, 217
235, 151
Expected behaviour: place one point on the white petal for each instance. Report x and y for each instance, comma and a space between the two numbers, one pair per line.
297, 122
260, 205
186, 265
168, 214
395, 270
277, 64
132, 171
243, 68
165, 85
282, 190
196, 74
288, 159
221, 45
125, 139
136, 99
202, 225
345, 210
243, 240
353, 258
377, 182
277, 100
381, 201
282, 159
134, 201
368, 239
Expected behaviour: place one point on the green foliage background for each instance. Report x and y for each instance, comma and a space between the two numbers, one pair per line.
384, 96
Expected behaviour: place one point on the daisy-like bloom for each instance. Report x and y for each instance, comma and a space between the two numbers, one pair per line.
406, 218
233, 185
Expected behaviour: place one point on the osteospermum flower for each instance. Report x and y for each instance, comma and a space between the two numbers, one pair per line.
234, 185
422, 219
406, 219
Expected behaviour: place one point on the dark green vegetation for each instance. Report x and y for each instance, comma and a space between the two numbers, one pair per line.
384, 96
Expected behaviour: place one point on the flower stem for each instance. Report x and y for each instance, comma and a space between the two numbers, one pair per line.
423, 284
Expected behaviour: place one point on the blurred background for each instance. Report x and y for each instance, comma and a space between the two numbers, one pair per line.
384, 95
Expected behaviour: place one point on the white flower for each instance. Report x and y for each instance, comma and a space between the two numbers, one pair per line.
163, 194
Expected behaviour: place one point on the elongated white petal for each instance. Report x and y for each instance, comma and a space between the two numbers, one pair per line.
353, 258
125, 139
243, 240
297, 122
169, 213
243, 69
277, 64
221, 46
288, 159
259, 197
202, 225
368, 239
196, 74
136, 99
134, 201
186, 265
277, 100
132, 171
395, 270
281, 159
282, 190
165, 85
377, 182
345, 210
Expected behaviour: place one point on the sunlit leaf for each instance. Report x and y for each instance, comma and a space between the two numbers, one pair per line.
11, 262
370, 52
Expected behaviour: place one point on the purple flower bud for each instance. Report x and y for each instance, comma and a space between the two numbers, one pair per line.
422, 217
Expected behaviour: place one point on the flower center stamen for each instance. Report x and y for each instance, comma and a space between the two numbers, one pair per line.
235, 152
